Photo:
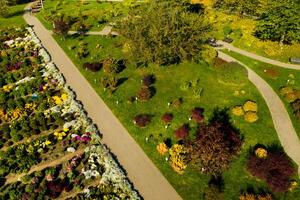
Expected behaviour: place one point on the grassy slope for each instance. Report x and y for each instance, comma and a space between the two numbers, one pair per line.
276, 84
191, 184
71, 8
248, 41
15, 18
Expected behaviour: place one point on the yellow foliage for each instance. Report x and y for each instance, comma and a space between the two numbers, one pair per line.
251, 116
250, 106
162, 148
247, 197
291, 97
7, 88
177, 155
59, 135
64, 97
293, 185
267, 197
238, 111
286, 90
261, 152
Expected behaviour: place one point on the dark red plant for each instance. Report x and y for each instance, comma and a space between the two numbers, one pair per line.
167, 118
276, 169
197, 115
148, 80
142, 120
182, 132
94, 67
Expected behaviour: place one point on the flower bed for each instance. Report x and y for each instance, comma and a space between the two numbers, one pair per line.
41, 122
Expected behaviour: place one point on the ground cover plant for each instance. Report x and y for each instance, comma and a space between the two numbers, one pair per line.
49, 147
285, 83
171, 107
12, 16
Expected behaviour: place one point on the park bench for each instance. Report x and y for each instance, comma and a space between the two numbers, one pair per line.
295, 60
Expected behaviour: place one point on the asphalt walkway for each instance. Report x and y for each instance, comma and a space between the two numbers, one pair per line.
281, 119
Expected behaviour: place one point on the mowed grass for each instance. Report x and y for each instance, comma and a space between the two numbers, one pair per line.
216, 93
90, 12
15, 17
276, 77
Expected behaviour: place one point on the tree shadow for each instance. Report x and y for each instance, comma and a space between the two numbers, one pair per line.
16, 14
121, 81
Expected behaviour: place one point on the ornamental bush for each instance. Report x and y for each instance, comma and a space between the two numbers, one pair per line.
296, 108
238, 111
167, 118
145, 93
182, 132
94, 67
251, 117
148, 80
197, 115
276, 169
250, 106
142, 120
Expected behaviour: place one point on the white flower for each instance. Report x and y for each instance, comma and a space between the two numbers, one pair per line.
71, 149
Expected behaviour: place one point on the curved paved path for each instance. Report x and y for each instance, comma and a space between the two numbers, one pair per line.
257, 57
281, 119
146, 178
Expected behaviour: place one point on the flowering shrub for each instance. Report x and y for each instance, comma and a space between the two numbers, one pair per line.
162, 148
182, 132
177, 158
250, 196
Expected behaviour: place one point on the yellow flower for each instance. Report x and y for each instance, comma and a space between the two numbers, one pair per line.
64, 97
162, 148
47, 142
261, 153
65, 129
177, 158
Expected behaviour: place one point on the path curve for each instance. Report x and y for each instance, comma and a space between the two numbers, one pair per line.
144, 175
257, 57
281, 119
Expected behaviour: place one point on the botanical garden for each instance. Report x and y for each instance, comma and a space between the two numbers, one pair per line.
199, 118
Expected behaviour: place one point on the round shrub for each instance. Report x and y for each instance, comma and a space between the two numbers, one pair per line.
197, 115
144, 94
250, 106
290, 97
94, 67
286, 90
182, 132
167, 118
238, 111
148, 80
251, 117
276, 169
142, 120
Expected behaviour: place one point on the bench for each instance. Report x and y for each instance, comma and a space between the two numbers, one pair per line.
295, 60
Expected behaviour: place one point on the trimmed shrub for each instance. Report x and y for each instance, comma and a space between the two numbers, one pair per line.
250, 106
110, 66
148, 80
167, 118
276, 169
144, 94
296, 108
182, 132
142, 120
162, 148
238, 111
94, 67
251, 117
197, 115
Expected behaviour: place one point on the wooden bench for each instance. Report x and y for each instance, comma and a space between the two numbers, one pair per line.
295, 60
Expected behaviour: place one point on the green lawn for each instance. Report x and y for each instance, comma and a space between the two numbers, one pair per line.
217, 93
91, 12
276, 77
15, 17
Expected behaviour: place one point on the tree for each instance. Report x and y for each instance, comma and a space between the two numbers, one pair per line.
4, 9
280, 22
165, 32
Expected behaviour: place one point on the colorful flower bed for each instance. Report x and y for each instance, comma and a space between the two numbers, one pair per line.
42, 123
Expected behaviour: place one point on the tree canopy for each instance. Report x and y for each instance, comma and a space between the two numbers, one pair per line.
165, 32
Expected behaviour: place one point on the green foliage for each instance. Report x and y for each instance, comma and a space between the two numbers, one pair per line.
164, 32
280, 22
4, 9
232, 73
